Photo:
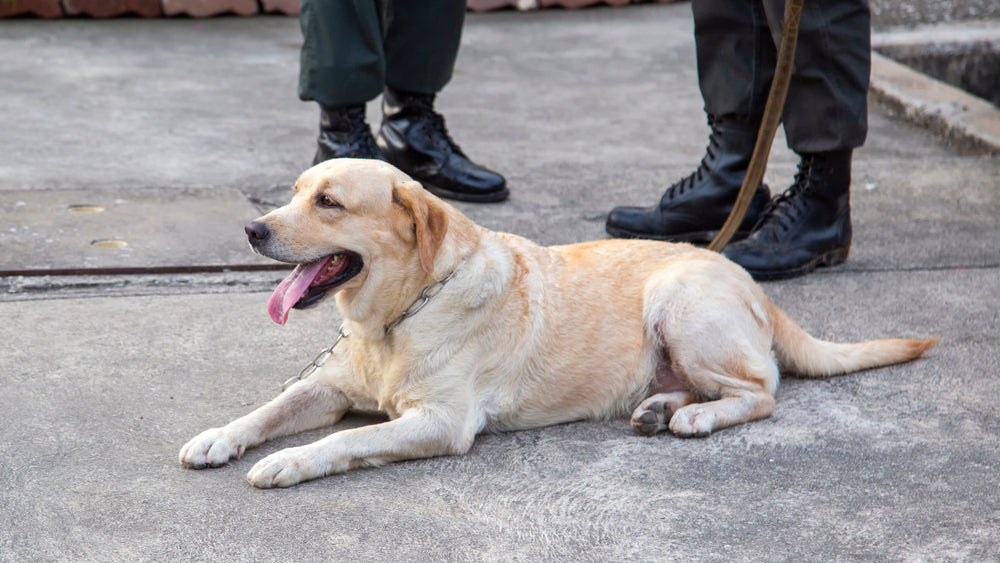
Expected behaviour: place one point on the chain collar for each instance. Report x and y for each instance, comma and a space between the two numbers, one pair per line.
317, 362
425, 295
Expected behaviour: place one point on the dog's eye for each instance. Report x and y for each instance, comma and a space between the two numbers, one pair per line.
327, 201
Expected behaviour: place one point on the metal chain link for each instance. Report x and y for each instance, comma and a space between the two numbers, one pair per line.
425, 296
317, 362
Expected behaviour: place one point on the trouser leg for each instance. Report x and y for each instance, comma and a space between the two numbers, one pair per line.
826, 108
421, 43
736, 58
342, 60
353, 48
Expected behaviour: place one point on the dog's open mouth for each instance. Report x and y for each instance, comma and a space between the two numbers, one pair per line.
308, 283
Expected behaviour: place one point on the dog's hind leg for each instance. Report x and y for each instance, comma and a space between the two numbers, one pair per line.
735, 407
710, 323
733, 378
681, 412
304, 406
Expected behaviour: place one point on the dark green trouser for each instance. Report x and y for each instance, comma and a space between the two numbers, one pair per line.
353, 48
826, 108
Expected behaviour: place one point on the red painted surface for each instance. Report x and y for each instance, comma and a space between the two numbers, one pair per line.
206, 8
43, 8
290, 7
572, 4
488, 5
112, 8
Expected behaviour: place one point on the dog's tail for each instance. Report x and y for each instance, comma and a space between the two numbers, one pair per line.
800, 353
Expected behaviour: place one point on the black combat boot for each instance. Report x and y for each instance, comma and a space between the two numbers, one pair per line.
414, 139
807, 226
343, 132
695, 208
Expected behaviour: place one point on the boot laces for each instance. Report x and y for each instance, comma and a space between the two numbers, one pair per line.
688, 182
433, 123
786, 209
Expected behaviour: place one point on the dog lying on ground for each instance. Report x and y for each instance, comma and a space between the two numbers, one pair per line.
510, 335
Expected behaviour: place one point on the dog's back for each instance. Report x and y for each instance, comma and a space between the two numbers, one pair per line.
615, 321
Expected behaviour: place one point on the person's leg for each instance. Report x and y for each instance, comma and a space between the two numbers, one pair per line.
736, 59
825, 118
342, 61
827, 105
342, 66
422, 38
421, 44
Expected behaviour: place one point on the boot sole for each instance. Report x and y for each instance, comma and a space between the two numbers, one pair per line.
831, 258
697, 237
490, 197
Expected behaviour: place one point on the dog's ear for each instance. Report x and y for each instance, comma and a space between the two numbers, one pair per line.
429, 220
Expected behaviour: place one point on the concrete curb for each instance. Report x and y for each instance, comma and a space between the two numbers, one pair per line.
955, 115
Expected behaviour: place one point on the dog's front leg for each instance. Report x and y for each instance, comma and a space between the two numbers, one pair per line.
416, 434
304, 406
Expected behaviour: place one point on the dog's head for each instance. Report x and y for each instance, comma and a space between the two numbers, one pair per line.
346, 216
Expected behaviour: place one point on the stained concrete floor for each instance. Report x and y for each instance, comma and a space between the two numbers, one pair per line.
105, 377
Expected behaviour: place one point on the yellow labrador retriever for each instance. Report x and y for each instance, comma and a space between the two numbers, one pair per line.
503, 334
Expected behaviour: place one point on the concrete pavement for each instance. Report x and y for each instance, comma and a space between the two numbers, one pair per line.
105, 376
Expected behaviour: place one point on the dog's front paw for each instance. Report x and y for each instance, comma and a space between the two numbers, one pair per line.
212, 448
286, 468
693, 421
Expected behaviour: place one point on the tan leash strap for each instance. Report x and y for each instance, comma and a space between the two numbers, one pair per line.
768, 126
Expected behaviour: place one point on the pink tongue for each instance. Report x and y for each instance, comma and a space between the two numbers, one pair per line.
291, 289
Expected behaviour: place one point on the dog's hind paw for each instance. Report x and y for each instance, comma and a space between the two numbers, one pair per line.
651, 416
693, 421
211, 448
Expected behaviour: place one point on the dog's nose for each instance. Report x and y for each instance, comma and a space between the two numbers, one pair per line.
257, 232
